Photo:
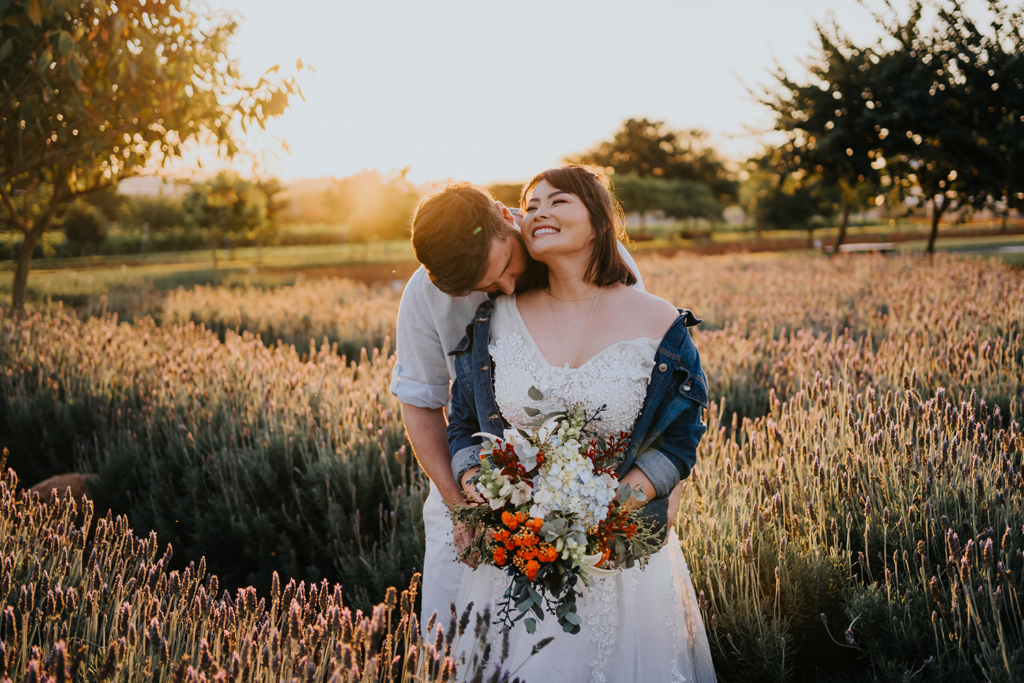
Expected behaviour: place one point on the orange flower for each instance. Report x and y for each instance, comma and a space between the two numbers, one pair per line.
499, 556
502, 536
535, 524
532, 567
509, 520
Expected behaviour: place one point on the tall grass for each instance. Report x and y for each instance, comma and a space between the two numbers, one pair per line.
863, 407
250, 455
343, 312
106, 607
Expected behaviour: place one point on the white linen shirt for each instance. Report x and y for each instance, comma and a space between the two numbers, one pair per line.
430, 324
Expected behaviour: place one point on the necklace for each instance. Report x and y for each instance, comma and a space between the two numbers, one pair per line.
582, 336
586, 298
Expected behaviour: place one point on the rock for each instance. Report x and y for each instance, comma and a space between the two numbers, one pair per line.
76, 481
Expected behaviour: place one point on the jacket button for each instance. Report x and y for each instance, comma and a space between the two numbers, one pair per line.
662, 368
686, 387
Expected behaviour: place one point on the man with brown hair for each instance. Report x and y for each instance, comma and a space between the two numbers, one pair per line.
469, 246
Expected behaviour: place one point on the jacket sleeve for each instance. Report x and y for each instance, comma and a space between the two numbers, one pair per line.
462, 424
672, 455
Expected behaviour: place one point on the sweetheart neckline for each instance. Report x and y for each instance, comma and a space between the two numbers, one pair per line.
533, 343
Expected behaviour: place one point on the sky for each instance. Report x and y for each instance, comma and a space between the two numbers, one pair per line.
495, 92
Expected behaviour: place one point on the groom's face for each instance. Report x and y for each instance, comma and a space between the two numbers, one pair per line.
505, 263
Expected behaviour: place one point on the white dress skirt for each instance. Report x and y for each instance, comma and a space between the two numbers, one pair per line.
641, 626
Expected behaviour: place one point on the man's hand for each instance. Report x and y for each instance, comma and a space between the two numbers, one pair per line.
463, 537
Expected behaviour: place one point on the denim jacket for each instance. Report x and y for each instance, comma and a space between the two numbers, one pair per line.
663, 443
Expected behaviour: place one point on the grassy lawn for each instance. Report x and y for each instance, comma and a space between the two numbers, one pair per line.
73, 278
78, 279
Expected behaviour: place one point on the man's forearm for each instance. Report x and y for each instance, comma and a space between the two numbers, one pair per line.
426, 429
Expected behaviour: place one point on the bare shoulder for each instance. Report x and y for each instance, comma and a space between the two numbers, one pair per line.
647, 313
530, 300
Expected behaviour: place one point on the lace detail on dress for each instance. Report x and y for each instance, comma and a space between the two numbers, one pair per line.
672, 623
603, 624
616, 377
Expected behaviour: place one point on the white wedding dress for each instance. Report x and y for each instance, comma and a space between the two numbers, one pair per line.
637, 626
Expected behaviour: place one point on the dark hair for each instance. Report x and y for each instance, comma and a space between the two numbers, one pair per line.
606, 267
452, 231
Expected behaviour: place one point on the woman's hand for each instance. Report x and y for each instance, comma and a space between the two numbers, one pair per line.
468, 484
636, 479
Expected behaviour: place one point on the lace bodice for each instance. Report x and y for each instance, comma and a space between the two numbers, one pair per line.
617, 377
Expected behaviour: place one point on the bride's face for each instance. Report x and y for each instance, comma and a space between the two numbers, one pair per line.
556, 222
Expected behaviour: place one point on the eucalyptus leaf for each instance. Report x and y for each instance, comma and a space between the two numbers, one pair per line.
532, 412
524, 604
65, 42
531, 624
573, 618
536, 394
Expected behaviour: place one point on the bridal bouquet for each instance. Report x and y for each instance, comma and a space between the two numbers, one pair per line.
556, 515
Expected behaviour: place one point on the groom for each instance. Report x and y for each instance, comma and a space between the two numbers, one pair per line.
469, 246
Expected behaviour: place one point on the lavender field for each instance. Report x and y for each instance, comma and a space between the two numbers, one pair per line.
855, 513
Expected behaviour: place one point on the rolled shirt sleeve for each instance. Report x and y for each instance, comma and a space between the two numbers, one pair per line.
420, 375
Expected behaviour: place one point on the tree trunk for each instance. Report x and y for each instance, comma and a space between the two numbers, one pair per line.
213, 250
810, 238
937, 211
24, 265
843, 224
1006, 215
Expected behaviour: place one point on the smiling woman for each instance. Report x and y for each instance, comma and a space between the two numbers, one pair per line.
559, 202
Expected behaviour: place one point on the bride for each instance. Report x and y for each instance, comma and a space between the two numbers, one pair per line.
585, 336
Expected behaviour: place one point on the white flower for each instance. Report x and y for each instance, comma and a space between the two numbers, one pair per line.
549, 427
525, 451
521, 493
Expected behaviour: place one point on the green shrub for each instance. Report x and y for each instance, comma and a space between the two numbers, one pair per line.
85, 227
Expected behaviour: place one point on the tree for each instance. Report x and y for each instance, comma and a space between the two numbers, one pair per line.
372, 205
787, 200
90, 92
506, 193
276, 206
159, 213
830, 123
84, 226
926, 134
226, 206
985, 73
677, 198
641, 195
650, 148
